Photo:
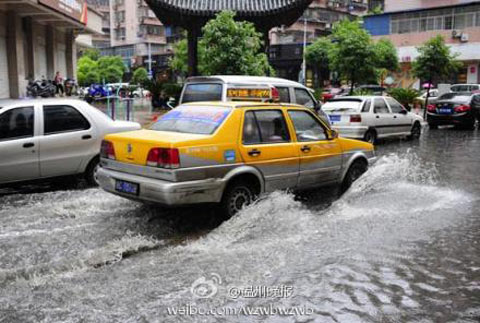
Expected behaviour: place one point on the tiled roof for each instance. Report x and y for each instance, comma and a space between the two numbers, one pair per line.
245, 7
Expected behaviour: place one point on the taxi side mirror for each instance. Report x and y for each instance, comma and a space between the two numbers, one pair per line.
403, 111
333, 134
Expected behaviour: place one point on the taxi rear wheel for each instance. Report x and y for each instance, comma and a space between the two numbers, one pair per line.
356, 170
237, 195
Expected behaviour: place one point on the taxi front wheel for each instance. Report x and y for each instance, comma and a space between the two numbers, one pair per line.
356, 170
237, 195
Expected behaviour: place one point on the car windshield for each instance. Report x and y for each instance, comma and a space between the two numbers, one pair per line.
192, 119
342, 105
202, 92
455, 96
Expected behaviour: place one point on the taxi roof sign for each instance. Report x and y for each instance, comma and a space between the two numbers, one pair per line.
251, 94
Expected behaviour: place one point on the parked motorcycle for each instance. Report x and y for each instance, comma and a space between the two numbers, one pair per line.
44, 88
96, 91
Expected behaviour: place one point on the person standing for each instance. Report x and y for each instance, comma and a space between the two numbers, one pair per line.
59, 83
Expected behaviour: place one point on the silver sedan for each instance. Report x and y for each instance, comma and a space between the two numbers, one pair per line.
45, 138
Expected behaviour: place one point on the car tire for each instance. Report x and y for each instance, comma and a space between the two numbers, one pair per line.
237, 195
356, 169
432, 126
91, 172
370, 136
416, 131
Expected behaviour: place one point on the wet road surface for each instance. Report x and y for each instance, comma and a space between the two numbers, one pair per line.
402, 245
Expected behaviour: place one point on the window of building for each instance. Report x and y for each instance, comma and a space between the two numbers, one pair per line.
459, 22
448, 23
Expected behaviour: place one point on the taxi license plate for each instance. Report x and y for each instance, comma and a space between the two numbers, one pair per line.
445, 111
126, 187
334, 118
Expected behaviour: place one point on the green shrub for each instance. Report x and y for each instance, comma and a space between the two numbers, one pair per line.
405, 96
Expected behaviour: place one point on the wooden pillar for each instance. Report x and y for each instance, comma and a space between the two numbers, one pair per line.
266, 45
192, 51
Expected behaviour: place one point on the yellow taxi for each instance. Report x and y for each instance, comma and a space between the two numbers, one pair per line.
229, 153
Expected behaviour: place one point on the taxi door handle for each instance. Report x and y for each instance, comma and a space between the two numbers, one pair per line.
305, 149
394, 117
28, 145
378, 117
254, 152
86, 137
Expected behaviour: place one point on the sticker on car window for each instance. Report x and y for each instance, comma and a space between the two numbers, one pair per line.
198, 120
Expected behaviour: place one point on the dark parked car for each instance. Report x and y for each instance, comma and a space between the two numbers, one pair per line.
456, 108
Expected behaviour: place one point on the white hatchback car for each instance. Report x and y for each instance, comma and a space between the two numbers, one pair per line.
45, 138
371, 118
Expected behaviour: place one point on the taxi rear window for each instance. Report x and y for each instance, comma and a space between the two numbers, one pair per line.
195, 120
202, 92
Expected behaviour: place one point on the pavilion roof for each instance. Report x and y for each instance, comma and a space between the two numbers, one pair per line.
264, 13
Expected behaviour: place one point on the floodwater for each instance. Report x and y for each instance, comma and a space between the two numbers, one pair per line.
402, 245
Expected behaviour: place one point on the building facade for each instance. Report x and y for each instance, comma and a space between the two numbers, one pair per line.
132, 31
101, 40
37, 39
410, 23
286, 44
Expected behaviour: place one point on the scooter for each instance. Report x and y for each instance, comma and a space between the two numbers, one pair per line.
97, 91
44, 88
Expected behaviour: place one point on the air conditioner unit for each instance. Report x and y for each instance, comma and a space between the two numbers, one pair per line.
464, 38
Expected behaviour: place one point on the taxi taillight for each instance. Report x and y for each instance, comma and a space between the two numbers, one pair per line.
163, 157
107, 150
431, 108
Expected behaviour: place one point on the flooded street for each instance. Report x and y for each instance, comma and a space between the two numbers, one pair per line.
402, 245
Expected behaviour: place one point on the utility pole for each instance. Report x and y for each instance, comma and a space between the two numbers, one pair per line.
150, 74
304, 64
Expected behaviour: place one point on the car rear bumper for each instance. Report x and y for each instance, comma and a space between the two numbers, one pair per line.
161, 191
459, 118
357, 132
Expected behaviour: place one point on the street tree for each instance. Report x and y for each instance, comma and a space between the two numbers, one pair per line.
316, 56
434, 63
386, 58
87, 71
140, 76
227, 47
233, 47
94, 54
352, 54
111, 69
179, 61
